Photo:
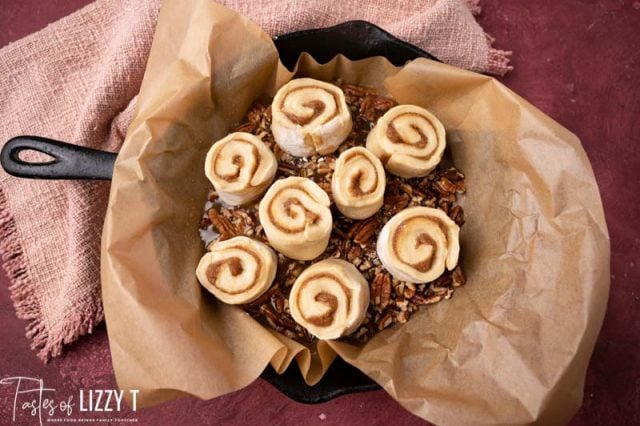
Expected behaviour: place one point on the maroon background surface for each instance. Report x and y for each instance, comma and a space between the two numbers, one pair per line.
579, 62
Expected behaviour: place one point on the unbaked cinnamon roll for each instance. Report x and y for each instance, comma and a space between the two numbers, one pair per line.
409, 140
418, 243
237, 270
240, 167
358, 183
296, 218
330, 299
310, 117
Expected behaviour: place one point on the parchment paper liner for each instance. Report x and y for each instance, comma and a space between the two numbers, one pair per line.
512, 346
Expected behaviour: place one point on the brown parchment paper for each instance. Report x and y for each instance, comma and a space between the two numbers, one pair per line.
510, 347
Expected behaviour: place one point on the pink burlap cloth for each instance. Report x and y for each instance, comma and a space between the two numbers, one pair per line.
76, 81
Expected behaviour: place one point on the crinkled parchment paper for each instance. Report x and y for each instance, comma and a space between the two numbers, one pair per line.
511, 346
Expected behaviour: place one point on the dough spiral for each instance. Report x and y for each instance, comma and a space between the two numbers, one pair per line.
237, 270
416, 244
358, 183
310, 117
409, 140
330, 299
240, 167
296, 218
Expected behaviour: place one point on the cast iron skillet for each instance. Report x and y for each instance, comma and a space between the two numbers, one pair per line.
353, 39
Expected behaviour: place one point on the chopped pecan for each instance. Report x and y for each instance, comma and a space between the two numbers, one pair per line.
385, 321
381, 290
438, 291
373, 107
326, 186
287, 169
419, 299
271, 316
442, 281
444, 186
457, 215
409, 290
221, 224
354, 252
453, 174
353, 91
277, 301
458, 277
407, 189
444, 205
402, 317
323, 170
394, 203
366, 231
246, 127
255, 114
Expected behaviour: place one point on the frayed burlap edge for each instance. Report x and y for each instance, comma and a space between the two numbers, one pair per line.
497, 60
48, 343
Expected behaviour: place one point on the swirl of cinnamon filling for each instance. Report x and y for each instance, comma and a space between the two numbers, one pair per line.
240, 167
409, 140
237, 270
330, 299
358, 183
296, 218
416, 244
310, 117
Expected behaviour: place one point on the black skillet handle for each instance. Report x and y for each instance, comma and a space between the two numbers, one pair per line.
69, 161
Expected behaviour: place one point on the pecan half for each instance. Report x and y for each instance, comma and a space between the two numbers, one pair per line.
385, 321
394, 203
381, 289
419, 299
458, 277
354, 252
457, 215
453, 174
366, 231
221, 224
409, 291
373, 107
445, 186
